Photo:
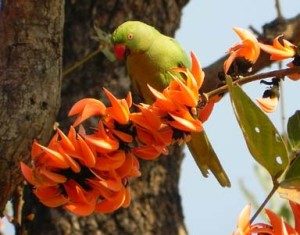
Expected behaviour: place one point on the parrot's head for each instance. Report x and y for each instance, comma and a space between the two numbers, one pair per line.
132, 37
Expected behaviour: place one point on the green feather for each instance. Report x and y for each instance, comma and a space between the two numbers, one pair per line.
150, 56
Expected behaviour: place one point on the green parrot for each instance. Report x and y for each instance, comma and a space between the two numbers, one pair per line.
149, 57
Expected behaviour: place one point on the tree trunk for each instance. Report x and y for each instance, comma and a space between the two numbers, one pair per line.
30, 82
156, 205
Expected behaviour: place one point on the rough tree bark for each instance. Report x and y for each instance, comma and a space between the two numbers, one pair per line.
30, 55
156, 207
30, 81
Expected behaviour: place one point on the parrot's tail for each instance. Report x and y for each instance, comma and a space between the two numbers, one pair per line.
206, 158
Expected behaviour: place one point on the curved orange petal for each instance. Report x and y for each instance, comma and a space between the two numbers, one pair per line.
152, 120
244, 220
244, 34
28, 174
87, 108
276, 222
186, 95
122, 136
81, 202
119, 109
129, 99
111, 181
102, 145
55, 177
36, 150
229, 61
88, 157
162, 102
81, 209
111, 204
50, 196
57, 159
110, 161
84, 203
197, 70
277, 54
127, 200
71, 162
279, 51
146, 152
103, 191
268, 104
130, 167
206, 111
248, 48
296, 212
65, 142
185, 124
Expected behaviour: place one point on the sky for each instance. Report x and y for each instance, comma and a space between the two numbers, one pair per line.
206, 29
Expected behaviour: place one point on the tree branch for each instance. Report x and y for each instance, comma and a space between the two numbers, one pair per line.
289, 28
280, 73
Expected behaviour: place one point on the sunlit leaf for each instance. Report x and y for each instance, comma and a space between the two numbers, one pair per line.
263, 140
290, 186
293, 128
206, 158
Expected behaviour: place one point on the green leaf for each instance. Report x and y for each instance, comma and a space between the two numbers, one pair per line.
263, 140
290, 186
105, 44
293, 128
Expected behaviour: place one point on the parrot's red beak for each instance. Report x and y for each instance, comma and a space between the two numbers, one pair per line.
120, 51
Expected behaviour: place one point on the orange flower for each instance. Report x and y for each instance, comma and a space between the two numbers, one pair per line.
206, 111
81, 202
85, 109
89, 172
197, 71
280, 50
183, 120
150, 152
118, 199
51, 196
130, 167
248, 48
102, 141
277, 225
186, 91
296, 212
268, 104
243, 225
73, 173
153, 134
119, 109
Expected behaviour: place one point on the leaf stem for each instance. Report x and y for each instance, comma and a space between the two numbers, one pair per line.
262, 206
280, 73
81, 62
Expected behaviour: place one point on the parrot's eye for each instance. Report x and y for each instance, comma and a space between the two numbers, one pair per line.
130, 36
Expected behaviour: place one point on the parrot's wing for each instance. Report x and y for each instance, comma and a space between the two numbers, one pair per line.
206, 158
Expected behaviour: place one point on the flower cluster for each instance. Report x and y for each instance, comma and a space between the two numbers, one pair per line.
88, 170
277, 225
243, 56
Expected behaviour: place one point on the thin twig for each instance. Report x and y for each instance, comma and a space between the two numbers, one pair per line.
18, 203
81, 62
262, 206
280, 73
282, 110
278, 9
